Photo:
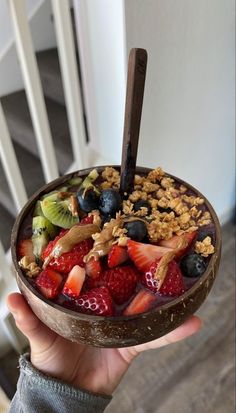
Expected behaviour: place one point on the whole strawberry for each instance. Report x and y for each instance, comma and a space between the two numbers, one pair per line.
173, 284
68, 260
97, 301
120, 281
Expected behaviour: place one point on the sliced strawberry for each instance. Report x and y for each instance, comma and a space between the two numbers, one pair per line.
180, 242
143, 255
51, 244
141, 303
49, 282
93, 268
117, 256
97, 301
46, 252
86, 220
25, 248
120, 281
173, 282
74, 282
68, 260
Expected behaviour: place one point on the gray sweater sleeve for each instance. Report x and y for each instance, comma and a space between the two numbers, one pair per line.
38, 393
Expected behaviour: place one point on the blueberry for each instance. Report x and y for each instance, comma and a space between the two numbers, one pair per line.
140, 204
110, 202
193, 265
88, 199
106, 218
137, 230
168, 210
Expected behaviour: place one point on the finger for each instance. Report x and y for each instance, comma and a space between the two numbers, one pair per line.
191, 326
39, 335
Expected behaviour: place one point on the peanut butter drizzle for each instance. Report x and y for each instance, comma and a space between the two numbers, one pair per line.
64, 194
74, 206
103, 240
162, 265
183, 243
96, 217
75, 235
134, 218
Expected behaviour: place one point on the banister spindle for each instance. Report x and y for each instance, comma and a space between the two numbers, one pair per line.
68, 64
33, 88
10, 165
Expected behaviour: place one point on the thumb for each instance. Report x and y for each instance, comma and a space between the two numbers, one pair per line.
39, 335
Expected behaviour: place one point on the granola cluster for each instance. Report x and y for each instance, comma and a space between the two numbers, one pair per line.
111, 178
204, 247
29, 266
173, 211
120, 235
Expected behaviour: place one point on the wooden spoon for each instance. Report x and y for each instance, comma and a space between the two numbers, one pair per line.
133, 109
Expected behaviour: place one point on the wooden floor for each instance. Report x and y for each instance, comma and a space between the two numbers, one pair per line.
197, 375
194, 376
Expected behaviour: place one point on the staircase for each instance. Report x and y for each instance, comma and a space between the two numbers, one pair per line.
21, 130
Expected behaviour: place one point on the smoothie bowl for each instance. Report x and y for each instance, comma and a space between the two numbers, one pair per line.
114, 271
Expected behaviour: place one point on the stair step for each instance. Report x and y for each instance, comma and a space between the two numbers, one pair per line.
49, 69
21, 129
32, 175
6, 224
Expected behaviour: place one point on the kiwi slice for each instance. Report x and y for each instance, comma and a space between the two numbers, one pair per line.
39, 244
42, 230
53, 194
41, 224
76, 180
38, 210
58, 213
88, 181
93, 175
90, 178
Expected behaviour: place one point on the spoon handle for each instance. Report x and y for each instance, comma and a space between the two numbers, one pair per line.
133, 109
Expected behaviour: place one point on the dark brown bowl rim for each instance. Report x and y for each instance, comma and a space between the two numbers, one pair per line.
163, 307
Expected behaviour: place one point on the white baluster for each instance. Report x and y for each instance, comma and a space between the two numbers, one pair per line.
10, 165
66, 48
33, 88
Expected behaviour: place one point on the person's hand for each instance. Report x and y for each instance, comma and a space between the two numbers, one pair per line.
91, 368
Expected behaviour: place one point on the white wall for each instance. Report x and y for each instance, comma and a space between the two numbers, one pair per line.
42, 30
188, 115
103, 60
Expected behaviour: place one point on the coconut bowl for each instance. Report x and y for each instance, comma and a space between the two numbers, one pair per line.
121, 331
